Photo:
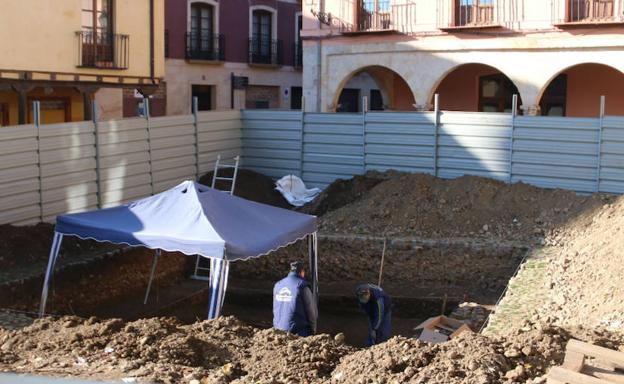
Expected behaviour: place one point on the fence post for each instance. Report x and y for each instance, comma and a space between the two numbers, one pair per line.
37, 121
364, 112
96, 136
514, 113
436, 125
196, 133
146, 112
600, 126
301, 138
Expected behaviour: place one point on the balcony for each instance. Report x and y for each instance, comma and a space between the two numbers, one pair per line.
102, 50
209, 47
583, 12
265, 51
467, 14
358, 16
298, 55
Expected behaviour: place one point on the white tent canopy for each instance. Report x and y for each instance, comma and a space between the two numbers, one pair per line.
193, 219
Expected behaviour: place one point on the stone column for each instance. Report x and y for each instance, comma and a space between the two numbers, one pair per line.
531, 110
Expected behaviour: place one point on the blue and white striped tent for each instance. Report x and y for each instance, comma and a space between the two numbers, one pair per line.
195, 220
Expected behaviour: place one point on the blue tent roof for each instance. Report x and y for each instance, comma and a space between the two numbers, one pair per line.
193, 219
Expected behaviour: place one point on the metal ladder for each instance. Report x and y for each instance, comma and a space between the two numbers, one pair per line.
215, 176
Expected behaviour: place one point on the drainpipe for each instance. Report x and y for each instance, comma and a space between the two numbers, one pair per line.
151, 11
319, 59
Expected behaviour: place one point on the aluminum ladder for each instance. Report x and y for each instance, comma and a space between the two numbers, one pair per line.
219, 165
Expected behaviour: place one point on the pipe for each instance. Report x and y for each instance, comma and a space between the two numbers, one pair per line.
151, 11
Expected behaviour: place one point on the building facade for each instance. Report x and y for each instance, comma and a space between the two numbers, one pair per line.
233, 54
558, 56
66, 53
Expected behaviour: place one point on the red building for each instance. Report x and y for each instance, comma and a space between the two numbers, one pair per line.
232, 54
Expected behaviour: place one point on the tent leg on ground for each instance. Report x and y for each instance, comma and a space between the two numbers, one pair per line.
151, 278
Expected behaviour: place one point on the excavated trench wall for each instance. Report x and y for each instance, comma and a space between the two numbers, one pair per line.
460, 268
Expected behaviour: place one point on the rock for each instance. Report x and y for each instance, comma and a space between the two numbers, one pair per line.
512, 353
340, 338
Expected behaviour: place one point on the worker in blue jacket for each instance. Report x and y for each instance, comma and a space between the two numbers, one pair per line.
294, 306
376, 304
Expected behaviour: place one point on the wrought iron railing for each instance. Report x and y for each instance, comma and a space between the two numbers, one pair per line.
375, 16
587, 11
297, 55
472, 13
591, 10
205, 46
265, 51
103, 50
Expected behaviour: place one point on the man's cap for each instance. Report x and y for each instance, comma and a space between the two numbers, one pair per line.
296, 266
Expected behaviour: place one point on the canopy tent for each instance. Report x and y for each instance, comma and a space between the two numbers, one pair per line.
195, 220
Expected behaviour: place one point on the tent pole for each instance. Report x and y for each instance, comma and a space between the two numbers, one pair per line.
54, 250
313, 255
151, 278
219, 271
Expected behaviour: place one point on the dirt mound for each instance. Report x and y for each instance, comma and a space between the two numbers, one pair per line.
470, 358
23, 246
250, 185
586, 275
342, 192
469, 206
162, 349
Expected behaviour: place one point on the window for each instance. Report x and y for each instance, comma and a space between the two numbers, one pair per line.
202, 27
97, 32
496, 93
298, 51
590, 10
474, 12
376, 101
295, 97
96, 16
262, 36
553, 102
348, 100
204, 97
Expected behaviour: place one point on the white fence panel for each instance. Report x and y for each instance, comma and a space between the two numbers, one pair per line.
272, 142
472, 143
401, 141
556, 152
333, 147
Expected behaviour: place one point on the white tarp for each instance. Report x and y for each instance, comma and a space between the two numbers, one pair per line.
294, 190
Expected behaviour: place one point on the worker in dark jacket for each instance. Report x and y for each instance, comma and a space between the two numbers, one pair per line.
294, 306
376, 304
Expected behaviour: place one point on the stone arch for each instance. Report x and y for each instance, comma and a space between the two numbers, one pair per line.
462, 82
572, 92
395, 90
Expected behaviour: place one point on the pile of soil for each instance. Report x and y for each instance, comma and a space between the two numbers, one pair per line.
250, 185
342, 192
585, 279
471, 358
421, 205
27, 245
163, 350
228, 351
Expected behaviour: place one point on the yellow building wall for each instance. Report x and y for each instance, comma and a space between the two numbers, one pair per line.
47, 116
39, 35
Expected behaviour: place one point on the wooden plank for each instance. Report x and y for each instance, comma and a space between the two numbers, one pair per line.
600, 353
574, 361
560, 375
604, 374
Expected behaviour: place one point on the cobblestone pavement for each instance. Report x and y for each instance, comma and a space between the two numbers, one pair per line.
526, 291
